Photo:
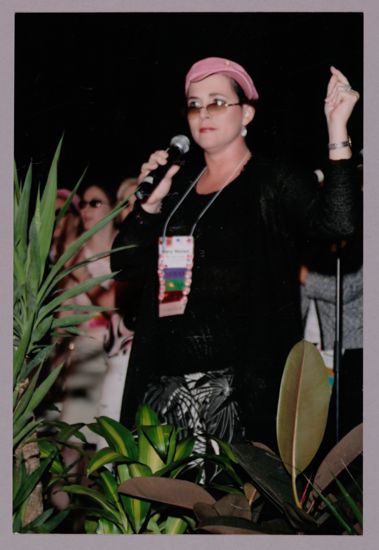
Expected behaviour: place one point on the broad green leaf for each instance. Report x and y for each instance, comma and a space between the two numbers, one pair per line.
136, 510
146, 452
153, 527
118, 437
303, 406
184, 448
172, 443
139, 470
123, 472
94, 495
103, 457
146, 416
106, 527
159, 437
226, 448
109, 485
175, 526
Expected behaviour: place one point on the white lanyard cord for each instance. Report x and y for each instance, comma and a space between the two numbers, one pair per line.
209, 204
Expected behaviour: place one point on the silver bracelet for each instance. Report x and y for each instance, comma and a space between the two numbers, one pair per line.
340, 145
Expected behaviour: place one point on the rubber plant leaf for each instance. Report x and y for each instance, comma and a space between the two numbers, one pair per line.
176, 492
342, 454
303, 406
267, 472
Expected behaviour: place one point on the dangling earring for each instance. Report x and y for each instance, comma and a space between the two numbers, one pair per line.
244, 131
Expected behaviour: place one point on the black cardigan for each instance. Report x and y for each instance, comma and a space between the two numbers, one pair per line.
243, 311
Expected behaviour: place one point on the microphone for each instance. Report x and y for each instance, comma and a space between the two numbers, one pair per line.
179, 146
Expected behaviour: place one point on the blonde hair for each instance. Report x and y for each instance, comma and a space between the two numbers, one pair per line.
126, 187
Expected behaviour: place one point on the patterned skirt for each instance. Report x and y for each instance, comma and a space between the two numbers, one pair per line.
201, 404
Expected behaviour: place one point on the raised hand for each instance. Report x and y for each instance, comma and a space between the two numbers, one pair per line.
340, 99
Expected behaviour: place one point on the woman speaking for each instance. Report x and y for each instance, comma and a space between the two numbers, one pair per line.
216, 247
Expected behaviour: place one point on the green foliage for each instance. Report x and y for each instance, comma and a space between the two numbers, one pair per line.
37, 300
268, 501
154, 450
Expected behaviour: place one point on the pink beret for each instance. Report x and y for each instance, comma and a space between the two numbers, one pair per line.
65, 193
211, 65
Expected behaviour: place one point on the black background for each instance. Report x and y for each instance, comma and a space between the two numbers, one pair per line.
113, 83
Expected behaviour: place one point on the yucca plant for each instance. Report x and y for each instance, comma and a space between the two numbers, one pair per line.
37, 301
153, 451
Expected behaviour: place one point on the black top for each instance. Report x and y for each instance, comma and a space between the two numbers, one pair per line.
243, 309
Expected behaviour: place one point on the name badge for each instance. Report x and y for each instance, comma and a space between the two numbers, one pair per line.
175, 265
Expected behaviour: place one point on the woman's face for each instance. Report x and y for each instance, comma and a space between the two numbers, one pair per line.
215, 131
94, 206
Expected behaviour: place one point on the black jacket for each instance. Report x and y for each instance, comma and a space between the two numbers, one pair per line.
243, 311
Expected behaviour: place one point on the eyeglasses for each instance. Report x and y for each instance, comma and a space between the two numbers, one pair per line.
216, 107
93, 203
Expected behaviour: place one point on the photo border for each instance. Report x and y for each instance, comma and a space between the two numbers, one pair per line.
370, 8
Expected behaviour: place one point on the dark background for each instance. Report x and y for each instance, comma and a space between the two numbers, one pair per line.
113, 83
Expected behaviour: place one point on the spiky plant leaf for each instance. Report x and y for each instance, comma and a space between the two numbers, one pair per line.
29, 484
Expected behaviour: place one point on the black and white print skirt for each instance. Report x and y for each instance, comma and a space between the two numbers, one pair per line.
201, 404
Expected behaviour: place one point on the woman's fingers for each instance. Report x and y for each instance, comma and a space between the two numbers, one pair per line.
156, 159
339, 88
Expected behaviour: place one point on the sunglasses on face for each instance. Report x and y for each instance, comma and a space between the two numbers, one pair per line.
216, 107
93, 203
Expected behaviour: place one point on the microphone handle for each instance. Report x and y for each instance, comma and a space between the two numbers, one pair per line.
153, 179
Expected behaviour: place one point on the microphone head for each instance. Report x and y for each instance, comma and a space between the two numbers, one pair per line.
181, 142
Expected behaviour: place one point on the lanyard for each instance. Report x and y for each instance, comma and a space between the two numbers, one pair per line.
210, 202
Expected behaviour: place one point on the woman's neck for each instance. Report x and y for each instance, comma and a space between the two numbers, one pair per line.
222, 167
